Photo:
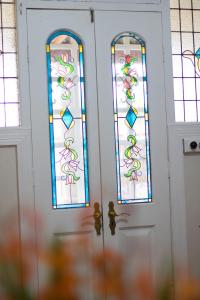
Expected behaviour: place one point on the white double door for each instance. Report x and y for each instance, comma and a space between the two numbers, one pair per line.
147, 225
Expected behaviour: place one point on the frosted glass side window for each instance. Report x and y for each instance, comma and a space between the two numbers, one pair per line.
67, 121
131, 119
9, 98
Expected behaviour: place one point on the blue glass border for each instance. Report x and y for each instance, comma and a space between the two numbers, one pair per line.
51, 126
128, 34
51, 131
63, 32
146, 113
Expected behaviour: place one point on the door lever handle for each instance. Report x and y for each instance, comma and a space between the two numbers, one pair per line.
97, 218
112, 215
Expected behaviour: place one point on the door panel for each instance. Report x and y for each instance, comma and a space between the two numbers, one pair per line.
141, 227
67, 223
147, 223
38, 35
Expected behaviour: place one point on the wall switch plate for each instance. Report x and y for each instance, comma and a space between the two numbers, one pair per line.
191, 145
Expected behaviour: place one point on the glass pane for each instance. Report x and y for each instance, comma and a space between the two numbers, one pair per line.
9, 41
176, 43
185, 3
1, 91
11, 90
186, 20
174, 3
196, 4
198, 88
10, 61
67, 121
177, 66
178, 89
188, 67
8, 15
175, 24
196, 16
179, 111
187, 42
131, 119
198, 106
11, 111
197, 41
189, 90
2, 115
1, 45
1, 65
190, 111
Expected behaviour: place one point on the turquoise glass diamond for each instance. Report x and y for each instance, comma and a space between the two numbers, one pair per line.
131, 117
197, 54
67, 118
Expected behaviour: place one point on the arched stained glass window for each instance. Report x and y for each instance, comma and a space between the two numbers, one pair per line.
67, 120
131, 119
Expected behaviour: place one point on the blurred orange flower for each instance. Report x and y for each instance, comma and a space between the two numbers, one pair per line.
67, 265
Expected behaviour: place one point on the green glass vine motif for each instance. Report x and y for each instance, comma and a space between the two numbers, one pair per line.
66, 65
196, 63
69, 163
130, 81
64, 69
133, 164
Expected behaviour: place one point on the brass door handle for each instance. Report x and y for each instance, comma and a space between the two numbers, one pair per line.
97, 218
112, 214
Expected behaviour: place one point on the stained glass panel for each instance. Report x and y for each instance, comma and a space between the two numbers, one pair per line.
185, 27
67, 121
131, 119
